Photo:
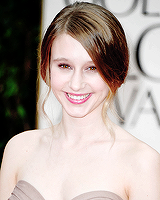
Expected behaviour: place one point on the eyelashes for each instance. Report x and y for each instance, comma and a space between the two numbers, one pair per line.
66, 66
92, 68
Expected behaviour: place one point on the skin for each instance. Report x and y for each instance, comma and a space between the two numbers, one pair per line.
73, 72
80, 156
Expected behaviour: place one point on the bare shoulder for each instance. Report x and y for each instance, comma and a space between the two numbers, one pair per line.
143, 168
147, 160
17, 150
136, 149
142, 154
24, 143
145, 177
144, 182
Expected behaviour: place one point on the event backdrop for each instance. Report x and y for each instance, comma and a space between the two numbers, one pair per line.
138, 100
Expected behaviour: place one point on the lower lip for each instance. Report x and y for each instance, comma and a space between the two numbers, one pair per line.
76, 101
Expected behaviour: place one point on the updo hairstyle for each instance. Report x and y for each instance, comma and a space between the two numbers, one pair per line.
101, 35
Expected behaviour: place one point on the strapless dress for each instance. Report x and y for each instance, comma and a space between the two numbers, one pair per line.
25, 191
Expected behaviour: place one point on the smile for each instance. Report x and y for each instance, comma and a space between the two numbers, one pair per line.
77, 98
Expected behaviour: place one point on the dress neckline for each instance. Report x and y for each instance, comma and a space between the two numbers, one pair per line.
90, 194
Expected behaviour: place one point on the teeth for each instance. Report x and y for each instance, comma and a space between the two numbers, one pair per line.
77, 97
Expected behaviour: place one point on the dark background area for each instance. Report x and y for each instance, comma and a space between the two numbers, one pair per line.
19, 40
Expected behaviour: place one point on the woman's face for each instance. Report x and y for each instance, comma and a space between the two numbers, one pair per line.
75, 80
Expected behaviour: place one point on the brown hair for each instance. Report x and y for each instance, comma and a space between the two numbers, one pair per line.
99, 32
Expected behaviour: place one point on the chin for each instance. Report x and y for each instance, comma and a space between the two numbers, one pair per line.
77, 113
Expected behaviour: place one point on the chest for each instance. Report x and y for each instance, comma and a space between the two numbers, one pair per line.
67, 174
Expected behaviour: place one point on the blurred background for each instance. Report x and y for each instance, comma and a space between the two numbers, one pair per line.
19, 39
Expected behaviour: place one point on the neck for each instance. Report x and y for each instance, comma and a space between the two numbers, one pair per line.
85, 129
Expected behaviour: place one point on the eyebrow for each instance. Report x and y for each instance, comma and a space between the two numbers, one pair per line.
60, 59
65, 59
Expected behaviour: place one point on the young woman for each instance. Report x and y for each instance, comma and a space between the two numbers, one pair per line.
84, 60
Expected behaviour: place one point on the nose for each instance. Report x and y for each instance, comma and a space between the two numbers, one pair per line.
76, 82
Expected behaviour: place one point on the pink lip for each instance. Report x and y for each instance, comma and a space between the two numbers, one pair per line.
77, 101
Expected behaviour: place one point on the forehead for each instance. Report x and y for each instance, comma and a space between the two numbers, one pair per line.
67, 47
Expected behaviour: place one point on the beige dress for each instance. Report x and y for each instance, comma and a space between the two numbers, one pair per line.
25, 191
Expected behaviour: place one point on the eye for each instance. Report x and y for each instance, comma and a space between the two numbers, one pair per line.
64, 66
92, 68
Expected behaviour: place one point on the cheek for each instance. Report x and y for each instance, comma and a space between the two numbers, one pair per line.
101, 86
56, 81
